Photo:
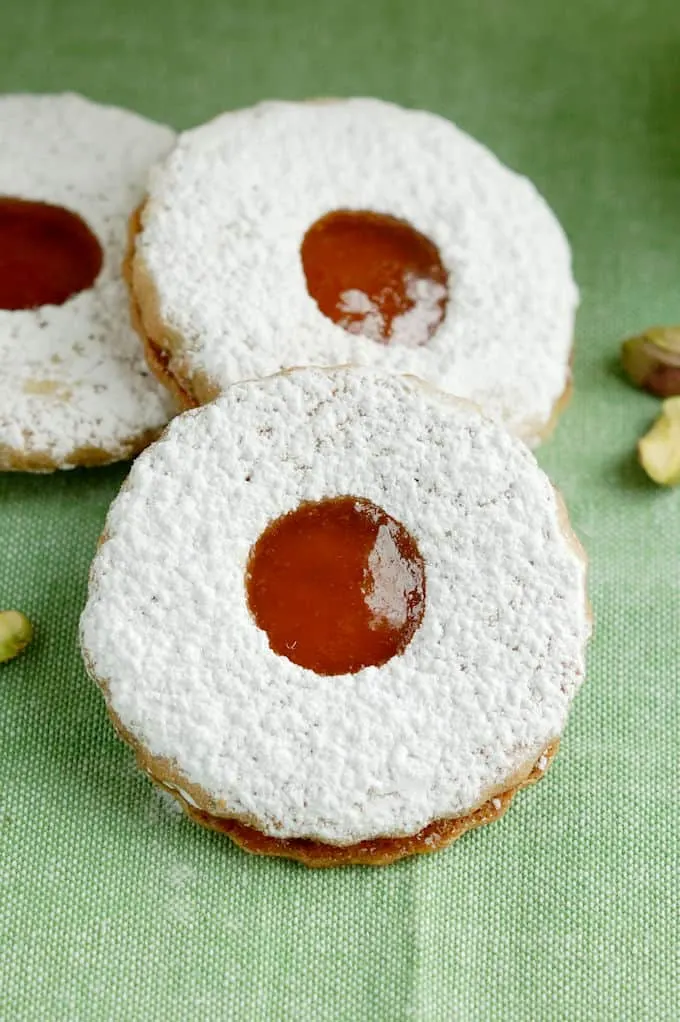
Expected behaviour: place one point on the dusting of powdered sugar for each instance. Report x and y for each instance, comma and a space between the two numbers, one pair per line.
481, 689
228, 210
361, 315
74, 375
354, 304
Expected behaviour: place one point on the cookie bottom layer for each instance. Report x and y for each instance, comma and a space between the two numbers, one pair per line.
380, 851
377, 852
26, 460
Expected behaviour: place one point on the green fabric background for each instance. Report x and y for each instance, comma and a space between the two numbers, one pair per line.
112, 906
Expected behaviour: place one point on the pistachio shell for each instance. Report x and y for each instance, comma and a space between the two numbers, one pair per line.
652, 360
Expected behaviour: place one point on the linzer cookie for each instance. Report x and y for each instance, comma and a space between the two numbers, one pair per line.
353, 232
74, 389
340, 615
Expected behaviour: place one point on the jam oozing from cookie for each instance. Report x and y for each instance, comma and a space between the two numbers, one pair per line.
337, 585
47, 254
375, 275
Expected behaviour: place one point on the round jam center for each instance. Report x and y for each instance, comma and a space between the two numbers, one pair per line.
337, 585
47, 254
375, 275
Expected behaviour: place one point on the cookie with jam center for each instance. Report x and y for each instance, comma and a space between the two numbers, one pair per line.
353, 232
340, 615
75, 388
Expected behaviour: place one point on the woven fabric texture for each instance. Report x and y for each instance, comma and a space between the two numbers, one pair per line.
112, 905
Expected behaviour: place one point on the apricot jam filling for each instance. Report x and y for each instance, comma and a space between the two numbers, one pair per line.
375, 275
47, 254
337, 585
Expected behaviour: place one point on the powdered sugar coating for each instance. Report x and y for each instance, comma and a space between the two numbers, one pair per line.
228, 210
74, 376
483, 686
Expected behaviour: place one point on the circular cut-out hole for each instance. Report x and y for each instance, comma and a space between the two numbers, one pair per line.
337, 585
375, 275
47, 254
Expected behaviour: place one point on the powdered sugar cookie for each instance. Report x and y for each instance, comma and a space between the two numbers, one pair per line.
331, 637
353, 232
75, 389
